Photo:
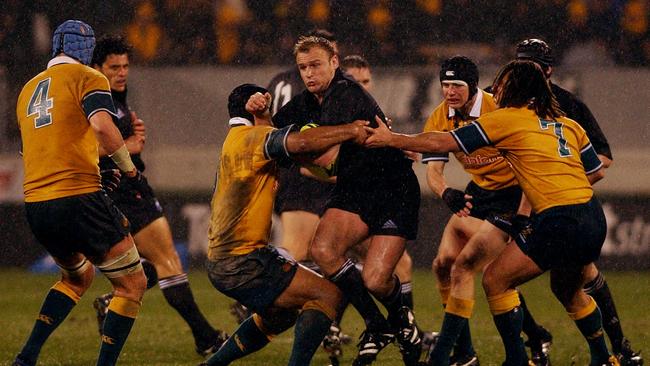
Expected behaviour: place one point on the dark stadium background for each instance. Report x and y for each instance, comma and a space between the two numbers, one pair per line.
190, 54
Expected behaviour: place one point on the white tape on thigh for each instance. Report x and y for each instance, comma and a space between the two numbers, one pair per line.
127, 263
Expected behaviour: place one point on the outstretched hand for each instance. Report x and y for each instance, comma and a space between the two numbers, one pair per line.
379, 136
259, 105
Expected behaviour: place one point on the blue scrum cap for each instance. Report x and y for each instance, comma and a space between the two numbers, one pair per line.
76, 39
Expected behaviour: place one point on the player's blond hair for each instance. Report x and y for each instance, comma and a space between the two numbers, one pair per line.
306, 43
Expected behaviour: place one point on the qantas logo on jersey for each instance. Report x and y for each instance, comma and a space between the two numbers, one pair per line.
479, 161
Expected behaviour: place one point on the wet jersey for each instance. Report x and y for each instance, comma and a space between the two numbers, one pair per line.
488, 168
242, 203
60, 152
549, 158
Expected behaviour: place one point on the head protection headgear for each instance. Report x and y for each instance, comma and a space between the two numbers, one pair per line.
76, 39
237, 101
460, 69
535, 50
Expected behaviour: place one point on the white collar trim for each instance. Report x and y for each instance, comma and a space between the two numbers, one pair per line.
62, 60
238, 121
476, 108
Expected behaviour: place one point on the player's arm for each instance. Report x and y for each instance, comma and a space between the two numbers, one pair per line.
457, 201
586, 119
134, 144
321, 138
594, 167
110, 140
381, 136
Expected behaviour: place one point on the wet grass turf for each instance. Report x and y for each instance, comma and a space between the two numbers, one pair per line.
160, 337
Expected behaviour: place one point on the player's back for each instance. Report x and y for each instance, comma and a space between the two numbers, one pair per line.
545, 155
242, 204
59, 147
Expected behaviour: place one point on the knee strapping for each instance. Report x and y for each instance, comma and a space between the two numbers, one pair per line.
125, 264
76, 270
319, 305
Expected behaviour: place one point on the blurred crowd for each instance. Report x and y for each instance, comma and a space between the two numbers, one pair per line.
181, 32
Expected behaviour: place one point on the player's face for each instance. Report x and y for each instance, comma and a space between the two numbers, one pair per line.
361, 75
317, 69
116, 69
456, 95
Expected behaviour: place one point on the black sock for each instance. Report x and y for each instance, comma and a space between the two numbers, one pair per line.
343, 305
452, 325
178, 294
407, 294
529, 325
311, 327
463, 344
591, 328
599, 290
393, 302
114, 334
54, 310
509, 326
247, 339
348, 279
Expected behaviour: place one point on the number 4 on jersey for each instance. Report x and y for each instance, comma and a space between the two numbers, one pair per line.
40, 104
562, 149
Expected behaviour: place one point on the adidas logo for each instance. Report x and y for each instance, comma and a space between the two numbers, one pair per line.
389, 225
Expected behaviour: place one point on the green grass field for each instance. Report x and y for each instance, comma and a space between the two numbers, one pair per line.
159, 336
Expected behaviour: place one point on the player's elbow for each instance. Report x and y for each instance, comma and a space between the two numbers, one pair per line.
596, 176
607, 162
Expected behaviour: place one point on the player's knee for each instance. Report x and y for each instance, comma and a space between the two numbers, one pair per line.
321, 252
78, 277
442, 265
126, 274
461, 274
377, 280
491, 282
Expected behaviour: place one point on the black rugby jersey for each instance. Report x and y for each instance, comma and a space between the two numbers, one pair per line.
124, 124
346, 101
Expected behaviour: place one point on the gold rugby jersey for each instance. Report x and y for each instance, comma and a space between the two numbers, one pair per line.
242, 203
488, 168
59, 146
549, 158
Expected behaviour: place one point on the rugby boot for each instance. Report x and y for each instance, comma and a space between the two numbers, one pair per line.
101, 309
370, 344
207, 350
613, 361
409, 337
464, 360
628, 357
540, 347
332, 344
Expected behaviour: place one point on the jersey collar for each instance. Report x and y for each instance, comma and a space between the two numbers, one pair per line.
476, 108
62, 60
239, 121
